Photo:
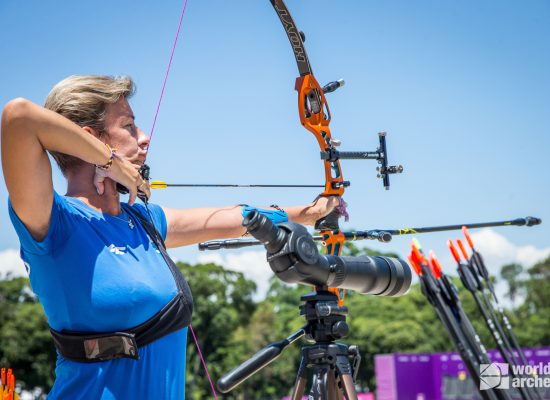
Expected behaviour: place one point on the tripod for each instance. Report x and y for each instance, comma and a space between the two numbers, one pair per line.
333, 365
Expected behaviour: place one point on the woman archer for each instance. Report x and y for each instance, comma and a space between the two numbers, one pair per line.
116, 305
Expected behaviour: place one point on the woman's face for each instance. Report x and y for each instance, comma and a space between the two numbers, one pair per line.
123, 134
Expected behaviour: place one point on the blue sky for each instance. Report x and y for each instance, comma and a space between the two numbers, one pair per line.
462, 88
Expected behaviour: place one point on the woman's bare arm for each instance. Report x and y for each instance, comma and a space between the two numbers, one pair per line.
28, 131
197, 225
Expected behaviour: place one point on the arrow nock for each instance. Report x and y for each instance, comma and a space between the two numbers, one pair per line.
416, 243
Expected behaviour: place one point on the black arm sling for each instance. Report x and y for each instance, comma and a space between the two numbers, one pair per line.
94, 347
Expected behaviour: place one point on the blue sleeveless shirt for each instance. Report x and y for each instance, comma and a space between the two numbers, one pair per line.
95, 273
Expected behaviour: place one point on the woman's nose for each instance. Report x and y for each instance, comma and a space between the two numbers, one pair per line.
143, 139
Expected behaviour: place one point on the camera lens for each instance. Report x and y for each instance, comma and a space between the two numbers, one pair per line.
380, 276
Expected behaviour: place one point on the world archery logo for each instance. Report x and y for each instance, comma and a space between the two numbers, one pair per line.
117, 250
494, 376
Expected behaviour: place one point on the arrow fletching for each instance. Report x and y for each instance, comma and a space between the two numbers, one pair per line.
468, 238
158, 185
462, 249
415, 264
454, 251
435, 265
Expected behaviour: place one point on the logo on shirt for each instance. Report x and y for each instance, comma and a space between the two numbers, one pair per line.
27, 267
117, 250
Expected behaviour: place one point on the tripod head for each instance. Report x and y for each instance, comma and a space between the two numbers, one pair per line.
325, 323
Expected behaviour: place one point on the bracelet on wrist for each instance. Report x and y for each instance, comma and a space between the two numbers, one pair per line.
107, 165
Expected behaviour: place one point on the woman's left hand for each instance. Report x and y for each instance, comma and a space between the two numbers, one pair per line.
311, 213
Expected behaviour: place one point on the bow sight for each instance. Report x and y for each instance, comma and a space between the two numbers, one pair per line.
381, 155
330, 155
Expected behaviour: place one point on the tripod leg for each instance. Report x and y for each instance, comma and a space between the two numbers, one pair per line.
332, 385
299, 388
349, 387
343, 368
319, 386
301, 381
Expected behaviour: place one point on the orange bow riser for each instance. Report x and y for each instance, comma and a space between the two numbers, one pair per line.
315, 117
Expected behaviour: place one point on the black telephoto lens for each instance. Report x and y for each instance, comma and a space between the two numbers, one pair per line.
294, 258
379, 276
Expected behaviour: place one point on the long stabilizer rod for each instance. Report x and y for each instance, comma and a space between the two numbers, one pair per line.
527, 221
382, 235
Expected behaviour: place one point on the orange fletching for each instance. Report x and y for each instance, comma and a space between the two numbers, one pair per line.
454, 252
8, 380
11, 380
462, 249
415, 265
435, 266
468, 238
418, 255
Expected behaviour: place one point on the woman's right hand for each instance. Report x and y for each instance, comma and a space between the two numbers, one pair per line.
127, 174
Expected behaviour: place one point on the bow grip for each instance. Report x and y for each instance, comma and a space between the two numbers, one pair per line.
328, 222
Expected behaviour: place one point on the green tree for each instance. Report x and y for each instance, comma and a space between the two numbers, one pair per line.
231, 327
25, 342
223, 302
533, 315
511, 274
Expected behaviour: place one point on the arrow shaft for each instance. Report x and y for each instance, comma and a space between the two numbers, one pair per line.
239, 185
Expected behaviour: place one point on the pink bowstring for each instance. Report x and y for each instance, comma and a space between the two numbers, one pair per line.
203, 362
167, 73
150, 138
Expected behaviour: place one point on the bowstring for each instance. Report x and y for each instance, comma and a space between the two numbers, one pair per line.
146, 202
167, 73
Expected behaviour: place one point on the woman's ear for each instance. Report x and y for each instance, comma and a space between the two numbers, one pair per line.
92, 131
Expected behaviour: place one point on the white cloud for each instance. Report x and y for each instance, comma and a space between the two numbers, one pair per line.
498, 251
252, 263
11, 264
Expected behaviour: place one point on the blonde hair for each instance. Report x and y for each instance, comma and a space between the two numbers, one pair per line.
83, 99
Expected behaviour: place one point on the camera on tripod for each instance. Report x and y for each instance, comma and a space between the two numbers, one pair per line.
294, 258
